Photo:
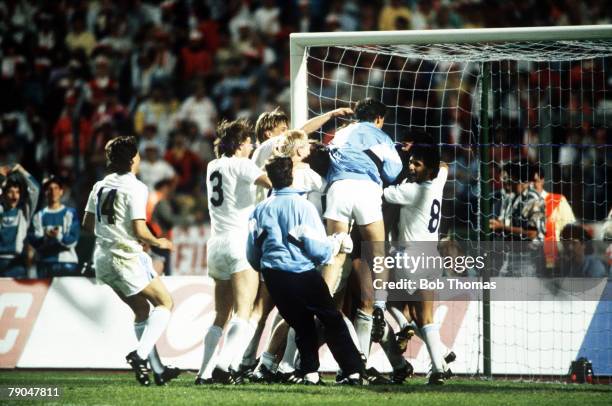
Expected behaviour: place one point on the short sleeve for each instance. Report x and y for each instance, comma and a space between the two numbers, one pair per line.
401, 194
248, 171
137, 209
91, 201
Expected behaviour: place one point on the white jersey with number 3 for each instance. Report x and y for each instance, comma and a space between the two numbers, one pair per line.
115, 201
231, 194
421, 210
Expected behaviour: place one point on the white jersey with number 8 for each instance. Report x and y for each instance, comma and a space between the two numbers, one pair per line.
231, 194
421, 210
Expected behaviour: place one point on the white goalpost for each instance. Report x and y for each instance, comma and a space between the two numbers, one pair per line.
488, 96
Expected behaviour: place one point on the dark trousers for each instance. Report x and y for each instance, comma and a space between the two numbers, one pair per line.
300, 297
53, 269
13, 268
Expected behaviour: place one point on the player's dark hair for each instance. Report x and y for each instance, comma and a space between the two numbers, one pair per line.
429, 155
267, 121
120, 153
574, 231
52, 179
318, 159
418, 137
230, 135
578, 232
369, 110
280, 171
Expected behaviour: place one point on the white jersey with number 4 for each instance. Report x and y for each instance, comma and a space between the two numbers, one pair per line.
421, 210
231, 194
115, 201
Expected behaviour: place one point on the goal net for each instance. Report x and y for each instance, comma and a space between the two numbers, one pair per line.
487, 103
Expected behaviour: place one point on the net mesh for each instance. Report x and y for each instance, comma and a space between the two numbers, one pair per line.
548, 102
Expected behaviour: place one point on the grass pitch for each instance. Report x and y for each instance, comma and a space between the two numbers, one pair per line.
119, 388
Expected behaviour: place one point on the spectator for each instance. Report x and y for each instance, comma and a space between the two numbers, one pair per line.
195, 59
267, 18
558, 214
200, 109
54, 234
162, 218
79, 37
390, 12
63, 137
103, 83
153, 169
18, 201
577, 259
522, 221
186, 164
525, 218
157, 110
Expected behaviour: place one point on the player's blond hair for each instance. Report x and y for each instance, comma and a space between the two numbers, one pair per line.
268, 121
289, 144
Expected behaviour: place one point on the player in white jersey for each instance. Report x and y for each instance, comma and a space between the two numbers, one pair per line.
420, 214
115, 212
270, 129
230, 183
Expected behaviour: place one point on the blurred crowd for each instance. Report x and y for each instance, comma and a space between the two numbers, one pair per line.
74, 74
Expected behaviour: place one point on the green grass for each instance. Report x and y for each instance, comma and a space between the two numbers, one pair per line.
118, 388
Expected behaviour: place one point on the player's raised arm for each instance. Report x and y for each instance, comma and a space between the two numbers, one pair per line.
405, 193
263, 181
317, 122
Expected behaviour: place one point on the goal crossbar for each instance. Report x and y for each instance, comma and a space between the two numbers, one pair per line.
300, 41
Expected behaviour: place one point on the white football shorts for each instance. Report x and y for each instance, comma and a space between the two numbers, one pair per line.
126, 274
354, 198
226, 255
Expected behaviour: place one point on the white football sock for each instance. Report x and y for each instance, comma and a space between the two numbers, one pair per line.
363, 328
239, 333
431, 333
399, 317
154, 328
250, 355
286, 364
154, 359
211, 340
269, 361
381, 304
248, 333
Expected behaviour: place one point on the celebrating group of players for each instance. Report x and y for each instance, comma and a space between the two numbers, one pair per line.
273, 253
